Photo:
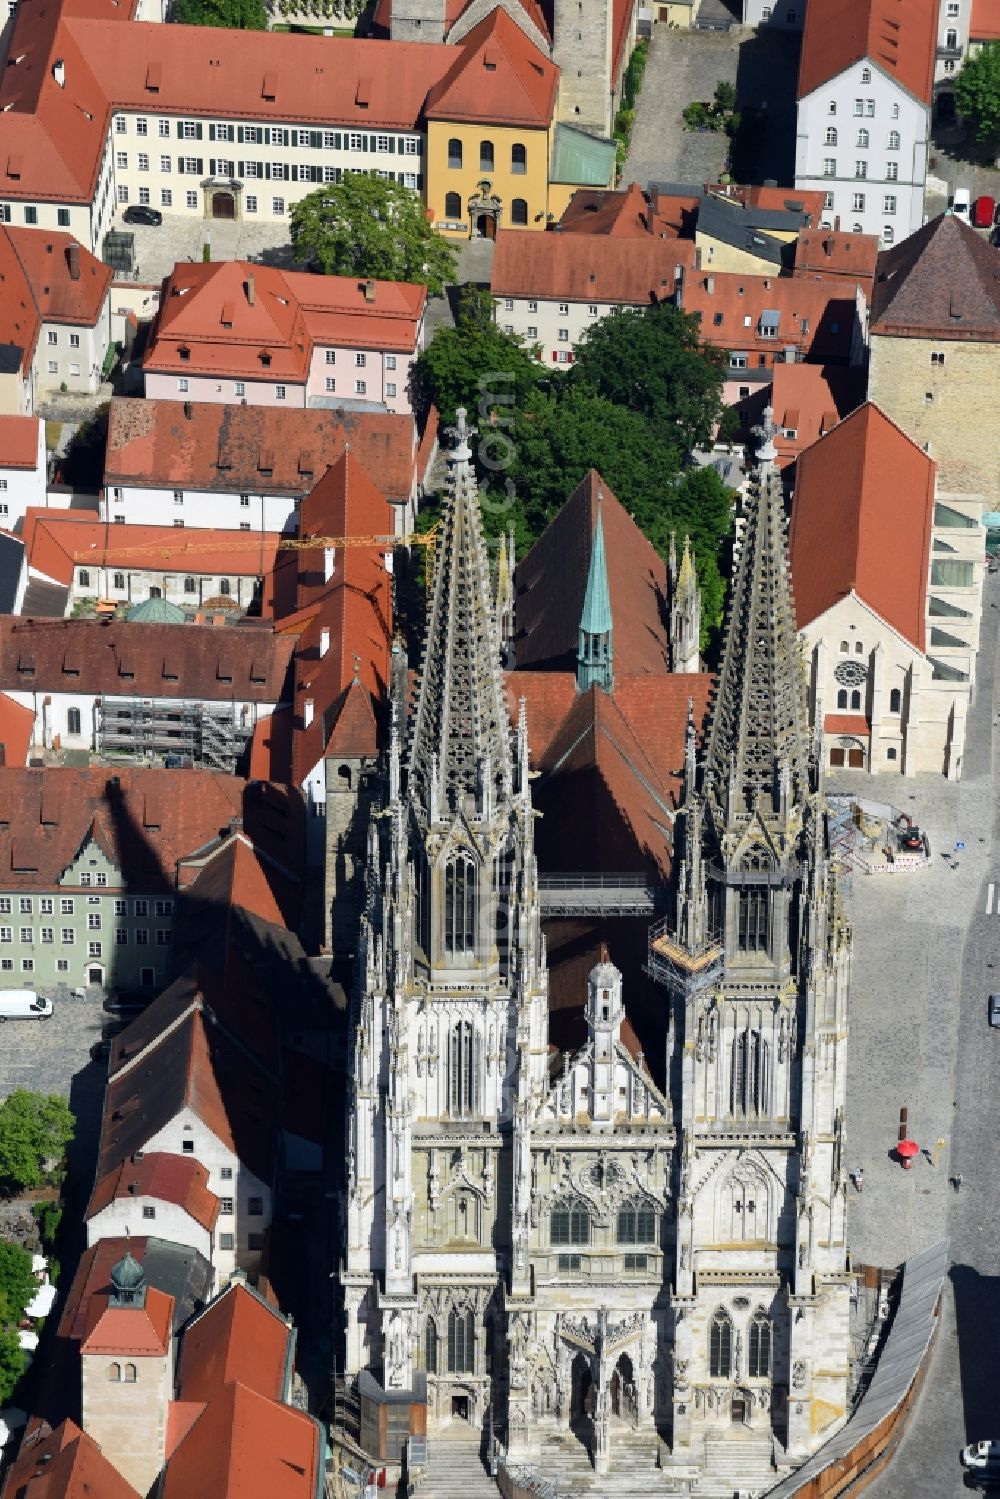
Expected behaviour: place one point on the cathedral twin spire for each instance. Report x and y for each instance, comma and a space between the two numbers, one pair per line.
461, 744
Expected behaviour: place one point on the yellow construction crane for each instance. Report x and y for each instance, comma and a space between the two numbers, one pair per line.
240, 541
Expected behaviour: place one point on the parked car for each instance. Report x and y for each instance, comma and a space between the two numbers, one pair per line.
981, 1455
993, 1011
23, 1004
961, 203
982, 212
138, 213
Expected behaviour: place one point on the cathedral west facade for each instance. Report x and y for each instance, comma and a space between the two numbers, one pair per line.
556, 1243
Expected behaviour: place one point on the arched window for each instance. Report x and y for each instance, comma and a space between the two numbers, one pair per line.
156, 593
452, 206
863, 138
431, 1346
570, 1224
859, 647
893, 140
749, 1079
951, 37
895, 700
844, 647
831, 135
461, 1342
636, 1223
518, 159
744, 1205
855, 701
460, 905
129, 1374
486, 156
464, 1070
753, 931
842, 698
759, 1361
720, 1346
454, 152
519, 211
224, 587
72, 720
115, 1373
190, 586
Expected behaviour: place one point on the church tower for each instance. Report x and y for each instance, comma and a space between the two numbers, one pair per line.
595, 653
450, 1014
756, 961
685, 616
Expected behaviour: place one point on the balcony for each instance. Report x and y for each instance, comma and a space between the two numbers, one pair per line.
949, 53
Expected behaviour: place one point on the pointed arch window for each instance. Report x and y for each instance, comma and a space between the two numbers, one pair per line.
570, 1224
461, 1342
115, 1373
754, 927
431, 1346
460, 906
759, 1346
129, 1374
749, 1079
720, 1346
464, 1069
636, 1223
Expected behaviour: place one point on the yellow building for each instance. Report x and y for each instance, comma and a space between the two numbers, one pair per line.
494, 148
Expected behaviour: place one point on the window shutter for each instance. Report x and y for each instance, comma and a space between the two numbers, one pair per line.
364, 143
267, 170
239, 168
336, 140
295, 138
295, 173
211, 132
316, 139
180, 130
197, 131
420, 182
239, 134
211, 166
180, 165
267, 135
392, 143
201, 166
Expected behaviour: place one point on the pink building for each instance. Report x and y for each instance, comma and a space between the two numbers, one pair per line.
235, 332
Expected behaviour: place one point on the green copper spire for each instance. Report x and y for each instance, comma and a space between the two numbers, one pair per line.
594, 655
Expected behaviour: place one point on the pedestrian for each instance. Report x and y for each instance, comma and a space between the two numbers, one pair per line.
859, 1179
958, 1181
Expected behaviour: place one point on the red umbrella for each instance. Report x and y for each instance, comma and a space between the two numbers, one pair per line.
906, 1150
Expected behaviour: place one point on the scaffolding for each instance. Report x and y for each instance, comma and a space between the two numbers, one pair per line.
142, 728
680, 968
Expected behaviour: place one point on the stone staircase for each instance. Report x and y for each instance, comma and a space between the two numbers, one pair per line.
563, 1462
737, 1466
455, 1469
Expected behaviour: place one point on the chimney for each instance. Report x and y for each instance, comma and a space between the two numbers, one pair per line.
369, 291
73, 261
836, 224
59, 72
188, 410
251, 289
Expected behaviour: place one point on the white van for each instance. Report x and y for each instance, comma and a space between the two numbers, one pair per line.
23, 1004
961, 203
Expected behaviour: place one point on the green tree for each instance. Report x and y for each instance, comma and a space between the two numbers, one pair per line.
701, 508
977, 94
652, 361
725, 96
475, 365
17, 1283
234, 15
11, 1363
34, 1129
366, 226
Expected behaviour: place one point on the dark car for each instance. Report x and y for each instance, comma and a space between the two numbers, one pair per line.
138, 213
993, 1015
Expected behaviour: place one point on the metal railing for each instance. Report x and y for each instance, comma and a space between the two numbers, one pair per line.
589, 894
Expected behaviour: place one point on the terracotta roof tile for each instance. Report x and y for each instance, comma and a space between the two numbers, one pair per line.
810, 399
180, 1180
48, 258
236, 875
20, 321
624, 212
942, 281
140, 1332
817, 317
825, 253
587, 267
157, 444
17, 726
19, 437
551, 581
846, 723
244, 1446
864, 493
498, 76
65, 1464
898, 36
236, 1337
985, 22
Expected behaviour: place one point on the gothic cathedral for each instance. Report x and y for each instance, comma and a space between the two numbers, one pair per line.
561, 1245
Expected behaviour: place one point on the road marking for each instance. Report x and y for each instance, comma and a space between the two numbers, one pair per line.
989, 900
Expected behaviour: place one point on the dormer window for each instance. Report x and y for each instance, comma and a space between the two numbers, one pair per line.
184, 352
264, 357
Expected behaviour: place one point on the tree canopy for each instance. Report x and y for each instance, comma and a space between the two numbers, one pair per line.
977, 93
34, 1129
17, 1286
366, 226
234, 15
474, 364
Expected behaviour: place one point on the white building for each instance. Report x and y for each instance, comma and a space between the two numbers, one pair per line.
160, 1194
777, 15
864, 103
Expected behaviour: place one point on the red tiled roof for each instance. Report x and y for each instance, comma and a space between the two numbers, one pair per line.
169, 1178
47, 257
65, 1464
142, 1332
898, 36
810, 399
816, 316
622, 212
157, 444
20, 323
621, 25
846, 723
57, 540
984, 25
587, 267
145, 820
244, 1446
828, 253
777, 199
498, 76
235, 875
198, 1068
942, 281
237, 1337
129, 659
19, 441
861, 522
551, 581
17, 724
